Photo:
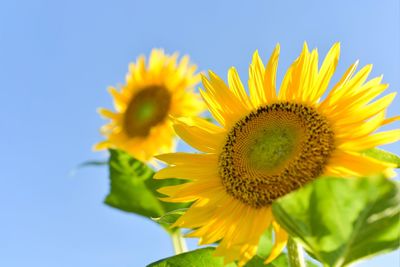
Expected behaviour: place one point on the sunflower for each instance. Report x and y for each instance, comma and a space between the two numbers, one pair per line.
272, 143
152, 93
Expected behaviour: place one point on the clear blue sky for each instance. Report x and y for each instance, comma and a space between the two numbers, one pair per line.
58, 57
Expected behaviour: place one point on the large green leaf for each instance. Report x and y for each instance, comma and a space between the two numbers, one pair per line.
197, 258
258, 261
281, 261
383, 155
134, 190
340, 221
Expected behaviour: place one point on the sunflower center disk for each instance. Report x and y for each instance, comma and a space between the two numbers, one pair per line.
273, 151
147, 108
271, 147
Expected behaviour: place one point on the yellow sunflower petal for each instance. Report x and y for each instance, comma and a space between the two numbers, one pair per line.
101, 145
183, 64
182, 158
256, 79
107, 113
359, 100
326, 72
156, 61
270, 75
351, 87
200, 212
358, 80
241, 228
119, 99
188, 172
311, 72
371, 141
293, 80
359, 164
214, 108
189, 191
361, 114
327, 103
252, 218
221, 95
140, 74
236, 85
281, 238
365, 94
346, 132
197, 133
390, 120
218, 224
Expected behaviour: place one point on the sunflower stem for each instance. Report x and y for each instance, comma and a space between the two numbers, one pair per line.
179, 242
296, 256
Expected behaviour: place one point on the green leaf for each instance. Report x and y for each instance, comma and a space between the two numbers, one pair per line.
197, 258
280, 261
340, 221
257, 261
134, 190
383, 155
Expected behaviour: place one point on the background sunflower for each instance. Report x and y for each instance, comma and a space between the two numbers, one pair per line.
153, 91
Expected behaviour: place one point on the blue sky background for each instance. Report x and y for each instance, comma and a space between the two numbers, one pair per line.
58, 57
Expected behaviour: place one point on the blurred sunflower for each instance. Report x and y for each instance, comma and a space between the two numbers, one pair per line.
152, 93
270, 144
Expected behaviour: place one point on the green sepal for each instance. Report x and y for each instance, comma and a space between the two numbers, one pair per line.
170, 217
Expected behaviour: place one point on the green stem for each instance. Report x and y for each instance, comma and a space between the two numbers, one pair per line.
178, 242
295, 251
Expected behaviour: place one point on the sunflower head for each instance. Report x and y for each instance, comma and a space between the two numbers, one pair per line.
271, 143
154, 91
274, 150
